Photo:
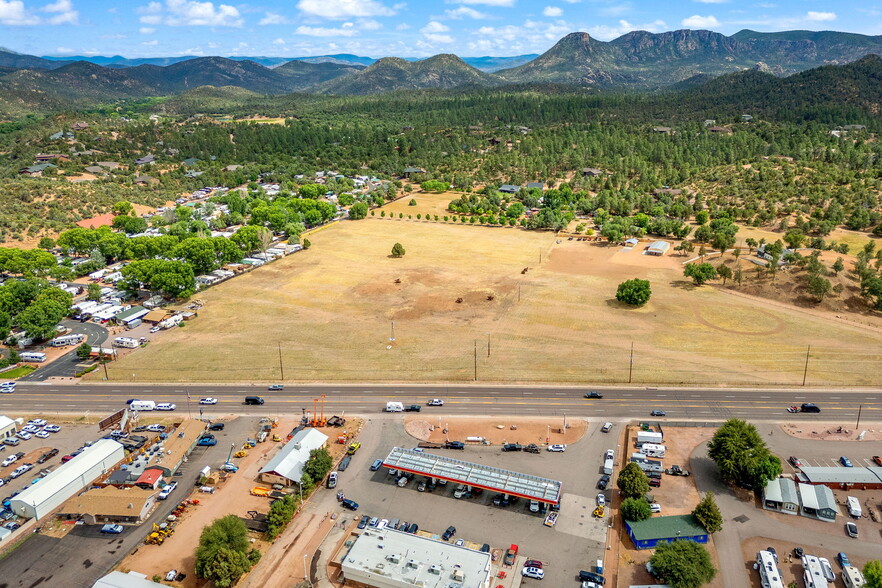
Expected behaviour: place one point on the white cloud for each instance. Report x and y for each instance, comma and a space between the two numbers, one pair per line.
190, 13
146, 30
14, 13
616, 10
440, 39
402, 26
63, 12
434, 27
116, 36
712, 1
700, 22
341, 9
487, 2
67, 50
605, 32
150, 43
369, 25
279, 41
552, 11
820, 16
346, 30
271, 18
463, 12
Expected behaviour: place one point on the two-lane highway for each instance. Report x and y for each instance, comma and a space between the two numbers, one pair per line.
617, 403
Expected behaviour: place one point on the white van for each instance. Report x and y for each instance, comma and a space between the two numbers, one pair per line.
852, 577
608, 466
394, 407
142, 405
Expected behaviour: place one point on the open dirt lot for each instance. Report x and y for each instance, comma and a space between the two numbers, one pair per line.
331, 309
496, 431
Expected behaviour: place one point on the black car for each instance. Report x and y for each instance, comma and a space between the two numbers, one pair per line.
485, 548
593, 395
591, 577
809, 407
455, 445
602, 482
450, 532
413, 528
351, 505
413, 408
798, 552
364, 521
216, 427
512, 447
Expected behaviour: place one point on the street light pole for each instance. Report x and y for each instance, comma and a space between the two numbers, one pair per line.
230, 456
305, 569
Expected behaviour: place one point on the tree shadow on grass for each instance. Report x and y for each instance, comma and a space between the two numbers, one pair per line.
616, 304
683, 285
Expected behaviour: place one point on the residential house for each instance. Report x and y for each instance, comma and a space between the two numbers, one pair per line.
79, 126
647, 534
780, 495
709, 122
658, 248
35, 170
412, 170
818, 502
232, 167
591, 172
190, 162
509, 189
746, 118
721, 130
56, 136
108, 164
44, 157
145, 160
146, 180
663, 130
94, 169
538, 185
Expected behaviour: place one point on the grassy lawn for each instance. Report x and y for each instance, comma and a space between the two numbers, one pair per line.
331, 311
17, 372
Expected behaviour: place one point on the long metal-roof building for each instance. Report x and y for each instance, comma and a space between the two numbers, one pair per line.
840, 478
37, 501
473, 474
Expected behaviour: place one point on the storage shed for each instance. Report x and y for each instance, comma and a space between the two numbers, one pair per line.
110, 505
37, 501
780, 495
658, 248
839, 478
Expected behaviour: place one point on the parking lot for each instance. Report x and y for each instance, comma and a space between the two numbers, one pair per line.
575, 543
83, 555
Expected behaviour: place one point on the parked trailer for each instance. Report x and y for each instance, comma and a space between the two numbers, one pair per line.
647, 465
126, 342
64, 340
653, 450
32, 357
171, 321
649, 437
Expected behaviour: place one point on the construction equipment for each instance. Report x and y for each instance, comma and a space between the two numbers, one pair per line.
318, 421
342, 439
276, 438
249, 443
240, 453
154, 539
260, 491
598, 512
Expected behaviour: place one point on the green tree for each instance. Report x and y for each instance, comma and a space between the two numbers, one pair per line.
873, 574
307, 243
683, 564
632, 481
819, 287
701, 217
358, 211
635, 292
46, 243
398, 250
742, 456
708, 514
93, 292
319, 464
794, 238
434, 186
412, 202
83, 351
725, 272
221, 556
635, 509
700, 272
838, 265
123, 208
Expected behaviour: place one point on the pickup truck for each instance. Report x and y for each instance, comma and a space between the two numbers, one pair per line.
512, 447
111, 528
510, 555
47, 456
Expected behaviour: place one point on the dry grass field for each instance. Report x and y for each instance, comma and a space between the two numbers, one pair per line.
331, 311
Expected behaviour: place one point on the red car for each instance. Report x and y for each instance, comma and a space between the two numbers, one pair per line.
795, 461
533, 563
878, 460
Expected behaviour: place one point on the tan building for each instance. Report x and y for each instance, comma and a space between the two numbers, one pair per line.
8, 427
110, 505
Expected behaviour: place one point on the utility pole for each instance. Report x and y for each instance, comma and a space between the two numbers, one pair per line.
476, 361
631, 363
858, 423
392, 338
281, 367
103, 363
805, 371
488, 344
519, 292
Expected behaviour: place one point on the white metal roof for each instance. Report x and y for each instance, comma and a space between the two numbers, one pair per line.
781, 490
289, 462
390, 558
5, 421
472, 474
121, 580
68, 472
817, 497
840, 475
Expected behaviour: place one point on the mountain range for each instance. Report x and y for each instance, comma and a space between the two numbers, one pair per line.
636, 61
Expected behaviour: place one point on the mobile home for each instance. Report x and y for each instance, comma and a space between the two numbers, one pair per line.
32, 356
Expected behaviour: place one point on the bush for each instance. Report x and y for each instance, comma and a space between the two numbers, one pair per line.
635, 509
635, 292
683, 564
412, 202
398, 250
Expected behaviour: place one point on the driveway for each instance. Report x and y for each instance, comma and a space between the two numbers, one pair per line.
66, 365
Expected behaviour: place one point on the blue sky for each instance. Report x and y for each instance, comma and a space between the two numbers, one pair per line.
376, 28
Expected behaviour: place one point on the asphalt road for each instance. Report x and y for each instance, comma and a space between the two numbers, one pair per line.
618, 403
65, 366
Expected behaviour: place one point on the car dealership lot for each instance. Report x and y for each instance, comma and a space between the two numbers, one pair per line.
574, 543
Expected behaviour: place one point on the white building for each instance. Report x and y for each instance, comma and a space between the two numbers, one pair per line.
121, 580
7, 427
286, 467
37, 501
394, 559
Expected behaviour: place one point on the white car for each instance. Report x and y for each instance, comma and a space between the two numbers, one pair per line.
557, 448
435, 402
30, 429
655, 507
169, 488
21, 470
37, 422
156, 428
601, 500
23, 435
42, 435
208, 401
51, 428
154, 330
10, 460
535, 573
165, 406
